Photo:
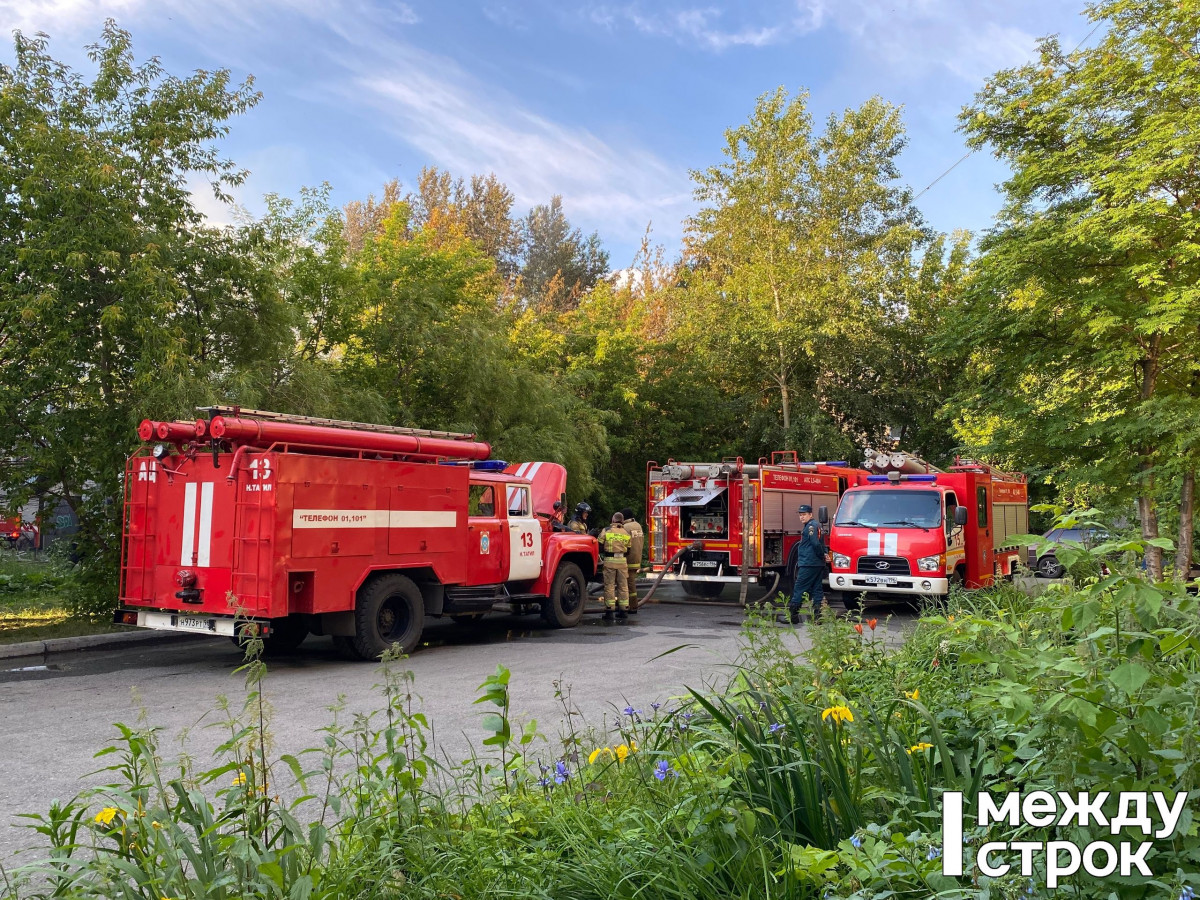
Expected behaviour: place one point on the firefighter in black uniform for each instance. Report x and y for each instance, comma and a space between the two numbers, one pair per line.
811, 553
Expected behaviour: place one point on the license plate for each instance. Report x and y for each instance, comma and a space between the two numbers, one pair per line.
194, 623
881, 579
704, 564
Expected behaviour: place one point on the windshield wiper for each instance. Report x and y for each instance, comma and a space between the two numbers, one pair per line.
857, 525
908, 524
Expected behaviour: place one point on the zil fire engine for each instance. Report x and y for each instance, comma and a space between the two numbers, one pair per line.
357, 531
912, 529
709, 520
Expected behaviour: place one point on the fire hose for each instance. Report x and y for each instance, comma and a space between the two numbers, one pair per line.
678, 553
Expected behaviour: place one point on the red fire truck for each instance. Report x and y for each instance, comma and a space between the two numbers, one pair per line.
357, 531
719, 517
912, 529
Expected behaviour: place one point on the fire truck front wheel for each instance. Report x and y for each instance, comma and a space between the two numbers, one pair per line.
568, 595
389, 611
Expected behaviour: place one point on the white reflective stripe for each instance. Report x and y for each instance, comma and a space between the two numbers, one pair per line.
417, 518
520, 473
873, 544
206, 495
188, 525
533, 471
889, 544
373, 518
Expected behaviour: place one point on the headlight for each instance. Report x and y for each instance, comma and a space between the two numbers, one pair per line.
841, 561
931, 563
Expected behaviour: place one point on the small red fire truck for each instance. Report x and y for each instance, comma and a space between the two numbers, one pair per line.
357, 531
912, 529
719, 517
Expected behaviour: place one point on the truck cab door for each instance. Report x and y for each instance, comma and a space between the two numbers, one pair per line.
487, 546
986, 549
524, 536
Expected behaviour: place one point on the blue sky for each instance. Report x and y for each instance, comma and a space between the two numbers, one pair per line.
608, 104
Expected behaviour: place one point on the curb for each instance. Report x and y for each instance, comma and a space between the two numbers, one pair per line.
92, 642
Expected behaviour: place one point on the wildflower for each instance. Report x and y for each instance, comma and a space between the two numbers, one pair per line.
663, 770
544, 781
913, 695
239, 779
917, 748
561, 772
871, 623
950, 619
858, 627
622, 752
935, 662
934, 853
776, 728
1187, 893
839, 714
654, 706
856, 841
762, 705
543, 768
157, 826
597, 753
106, 815
630, 711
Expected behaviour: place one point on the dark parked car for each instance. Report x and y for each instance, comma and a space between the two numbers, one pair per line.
1046, 564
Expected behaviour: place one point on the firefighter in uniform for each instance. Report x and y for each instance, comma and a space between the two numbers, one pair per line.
810, 566
614, 545
633, 559
578, 521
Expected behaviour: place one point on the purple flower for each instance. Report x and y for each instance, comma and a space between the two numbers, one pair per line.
776, 728
856, 841
544, 781
762, 704
655, 706
561, 772
663, 770
934, 853
629, 711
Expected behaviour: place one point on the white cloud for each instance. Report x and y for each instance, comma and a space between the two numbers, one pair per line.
61, 16
708, 27
465, 127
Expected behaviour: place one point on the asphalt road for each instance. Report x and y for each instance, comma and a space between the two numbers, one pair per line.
57, 714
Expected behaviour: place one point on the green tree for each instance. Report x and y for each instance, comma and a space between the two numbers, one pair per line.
1084, 314
116, 302
559, 263
802, 251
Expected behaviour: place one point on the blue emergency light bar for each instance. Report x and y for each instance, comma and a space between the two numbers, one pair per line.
480, 465
841, 464
884, 479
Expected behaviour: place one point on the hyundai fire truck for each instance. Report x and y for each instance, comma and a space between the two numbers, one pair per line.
912, 529
709, 522
302, 525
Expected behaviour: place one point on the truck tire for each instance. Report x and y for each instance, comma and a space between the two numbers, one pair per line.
568, 595
852, 601
389, 610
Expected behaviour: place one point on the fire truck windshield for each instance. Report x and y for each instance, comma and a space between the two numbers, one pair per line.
891, 507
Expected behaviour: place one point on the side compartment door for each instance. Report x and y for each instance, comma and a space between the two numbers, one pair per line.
984, 550
487, 546
524, 536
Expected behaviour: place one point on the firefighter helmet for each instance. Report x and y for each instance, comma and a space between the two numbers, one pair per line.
582, 508
618, 519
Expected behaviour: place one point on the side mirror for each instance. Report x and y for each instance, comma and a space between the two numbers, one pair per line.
823, 515
960, 516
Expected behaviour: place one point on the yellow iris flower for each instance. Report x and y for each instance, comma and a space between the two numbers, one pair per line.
917, 748
106, 815
838, 713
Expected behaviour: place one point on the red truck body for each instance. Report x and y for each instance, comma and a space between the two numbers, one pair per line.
326, 528
708, 521
896, 535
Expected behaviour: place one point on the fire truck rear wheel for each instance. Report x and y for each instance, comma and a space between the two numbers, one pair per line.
389, 611
286, 635
568, 595
704, 590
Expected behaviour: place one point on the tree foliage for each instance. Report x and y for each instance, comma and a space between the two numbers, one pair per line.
1082, 321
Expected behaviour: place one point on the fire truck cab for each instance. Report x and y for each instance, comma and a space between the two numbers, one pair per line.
357, 531
708, 522
914, 530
